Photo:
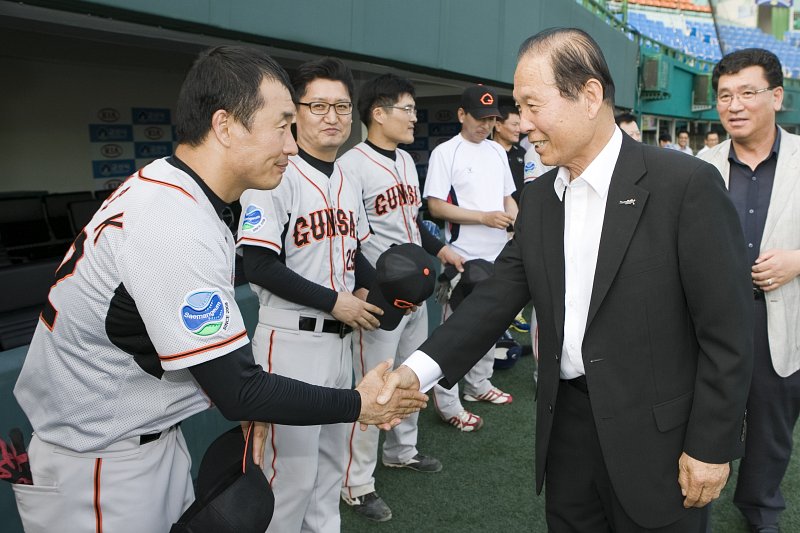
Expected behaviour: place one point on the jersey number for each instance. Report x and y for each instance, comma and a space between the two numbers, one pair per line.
350, 263
66, 269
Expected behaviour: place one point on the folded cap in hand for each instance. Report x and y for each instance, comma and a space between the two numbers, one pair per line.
405, 278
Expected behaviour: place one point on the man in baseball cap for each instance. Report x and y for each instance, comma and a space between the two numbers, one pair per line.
480, 102
469, 186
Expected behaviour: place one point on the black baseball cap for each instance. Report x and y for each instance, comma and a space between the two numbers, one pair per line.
475, 271
480, 101
232, 494
405, 277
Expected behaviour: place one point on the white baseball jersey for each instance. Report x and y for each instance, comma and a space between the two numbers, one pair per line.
323, 220
391, 196
472, 176
146, 288
315, 221
533, 165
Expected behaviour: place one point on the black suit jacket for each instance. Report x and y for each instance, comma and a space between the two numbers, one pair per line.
668, 343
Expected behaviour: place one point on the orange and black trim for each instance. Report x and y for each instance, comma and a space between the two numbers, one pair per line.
197, 351
98, 513
165, 184
260, 241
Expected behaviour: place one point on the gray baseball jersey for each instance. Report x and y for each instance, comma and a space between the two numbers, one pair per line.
126, 306
391, 196
315, 222
323, 222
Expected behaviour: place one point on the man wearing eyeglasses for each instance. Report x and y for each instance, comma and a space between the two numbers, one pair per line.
759, 165
300, 245
387, 177
469, 185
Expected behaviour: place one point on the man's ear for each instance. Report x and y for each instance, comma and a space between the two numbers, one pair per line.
461, 114
221, 122
593, 94
378, 115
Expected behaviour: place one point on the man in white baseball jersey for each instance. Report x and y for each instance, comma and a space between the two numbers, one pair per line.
390, 189
300, 243
469, 185
141, 328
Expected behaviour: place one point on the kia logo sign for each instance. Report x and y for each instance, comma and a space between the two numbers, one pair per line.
153, 132
108, 114
111, 150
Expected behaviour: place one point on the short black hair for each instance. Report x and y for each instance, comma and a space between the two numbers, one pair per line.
506, 110
223, 77
679, 132
624, 118
326, 68
384, 90
575, 58
710, 132
749, 57
665, 137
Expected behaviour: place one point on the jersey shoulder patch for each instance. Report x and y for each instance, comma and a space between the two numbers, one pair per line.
253, 218
205, 312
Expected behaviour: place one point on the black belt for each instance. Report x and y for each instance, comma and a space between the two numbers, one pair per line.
758, 294
144, 439
578, 383
328, 326
150, 437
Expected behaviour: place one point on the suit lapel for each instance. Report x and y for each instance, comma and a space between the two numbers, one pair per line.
783, 184
553, 241
624, 206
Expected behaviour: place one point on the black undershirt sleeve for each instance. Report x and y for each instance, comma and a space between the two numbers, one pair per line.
365, 272
263, 267
243, 391
431, 244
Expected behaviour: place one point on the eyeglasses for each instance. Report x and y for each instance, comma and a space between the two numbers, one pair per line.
322, 108
744, 96
409, 109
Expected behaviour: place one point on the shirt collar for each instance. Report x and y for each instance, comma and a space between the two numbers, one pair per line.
773, 152
217, 203
598, 173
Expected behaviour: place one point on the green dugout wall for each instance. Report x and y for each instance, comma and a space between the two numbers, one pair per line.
470, 40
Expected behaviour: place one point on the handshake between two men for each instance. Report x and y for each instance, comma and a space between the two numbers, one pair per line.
387, 397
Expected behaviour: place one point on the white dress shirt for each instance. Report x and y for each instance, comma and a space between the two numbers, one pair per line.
584, 211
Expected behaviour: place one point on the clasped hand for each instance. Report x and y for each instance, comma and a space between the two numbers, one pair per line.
397, 401
384, 403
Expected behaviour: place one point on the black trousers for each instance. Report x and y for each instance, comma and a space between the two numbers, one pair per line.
772, 410
578, 492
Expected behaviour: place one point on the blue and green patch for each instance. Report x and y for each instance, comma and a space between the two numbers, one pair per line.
253, 218
205, 312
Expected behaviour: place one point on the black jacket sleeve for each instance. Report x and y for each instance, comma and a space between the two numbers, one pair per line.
243, 391
264, 268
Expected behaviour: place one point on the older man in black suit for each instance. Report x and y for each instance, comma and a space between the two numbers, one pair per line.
635, 261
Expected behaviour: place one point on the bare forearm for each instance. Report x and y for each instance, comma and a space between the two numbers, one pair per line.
453, 213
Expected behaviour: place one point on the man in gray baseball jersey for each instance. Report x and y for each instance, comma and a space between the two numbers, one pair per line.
141, 329
387, 178
301, 255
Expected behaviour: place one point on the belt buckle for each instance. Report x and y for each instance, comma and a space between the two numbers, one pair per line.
342, 330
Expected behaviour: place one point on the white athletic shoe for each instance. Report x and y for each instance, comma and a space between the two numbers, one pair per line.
466, 421
493, 395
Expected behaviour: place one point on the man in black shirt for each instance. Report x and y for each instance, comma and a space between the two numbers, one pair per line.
506, 134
